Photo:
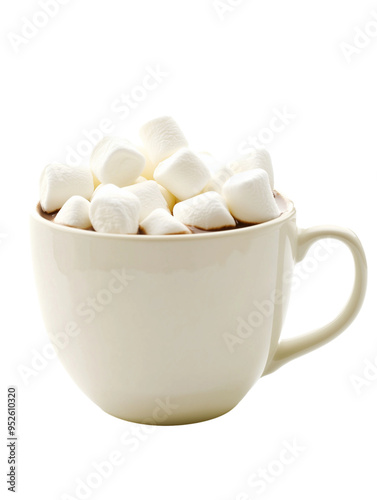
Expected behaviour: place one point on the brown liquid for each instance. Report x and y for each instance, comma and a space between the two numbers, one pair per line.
238, 225
280, 200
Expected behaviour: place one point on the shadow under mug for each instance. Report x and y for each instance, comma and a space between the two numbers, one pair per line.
176, 329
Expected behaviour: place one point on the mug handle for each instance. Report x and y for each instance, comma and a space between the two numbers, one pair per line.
293, 348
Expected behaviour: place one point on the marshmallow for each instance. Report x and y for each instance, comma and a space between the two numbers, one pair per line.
149, 195
105, 190
183, 174
256, 158
117, 213
249, 197
205, 211
171, 200
161, 222
59, 182
74, 213
161, 138
218, 179
116, 161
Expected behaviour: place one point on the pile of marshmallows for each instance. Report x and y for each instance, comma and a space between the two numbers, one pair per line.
161, 187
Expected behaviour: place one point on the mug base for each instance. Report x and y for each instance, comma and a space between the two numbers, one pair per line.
172, 422
182, 410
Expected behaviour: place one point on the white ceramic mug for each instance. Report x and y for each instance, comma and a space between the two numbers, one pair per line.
176, 329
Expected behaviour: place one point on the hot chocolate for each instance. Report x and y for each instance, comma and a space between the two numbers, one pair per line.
281, 201
162, 187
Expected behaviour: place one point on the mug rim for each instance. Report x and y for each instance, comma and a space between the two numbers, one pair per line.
257, 228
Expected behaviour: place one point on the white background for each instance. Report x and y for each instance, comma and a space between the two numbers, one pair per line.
225, 77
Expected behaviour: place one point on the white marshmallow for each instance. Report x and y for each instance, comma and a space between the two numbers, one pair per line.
105, 190
205, 211
149, 195
74, 213
256, 158
59, 182
171, 200
161, 138
183, 174
249, 197
117, 213
116, 161
161, 222
218, 179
